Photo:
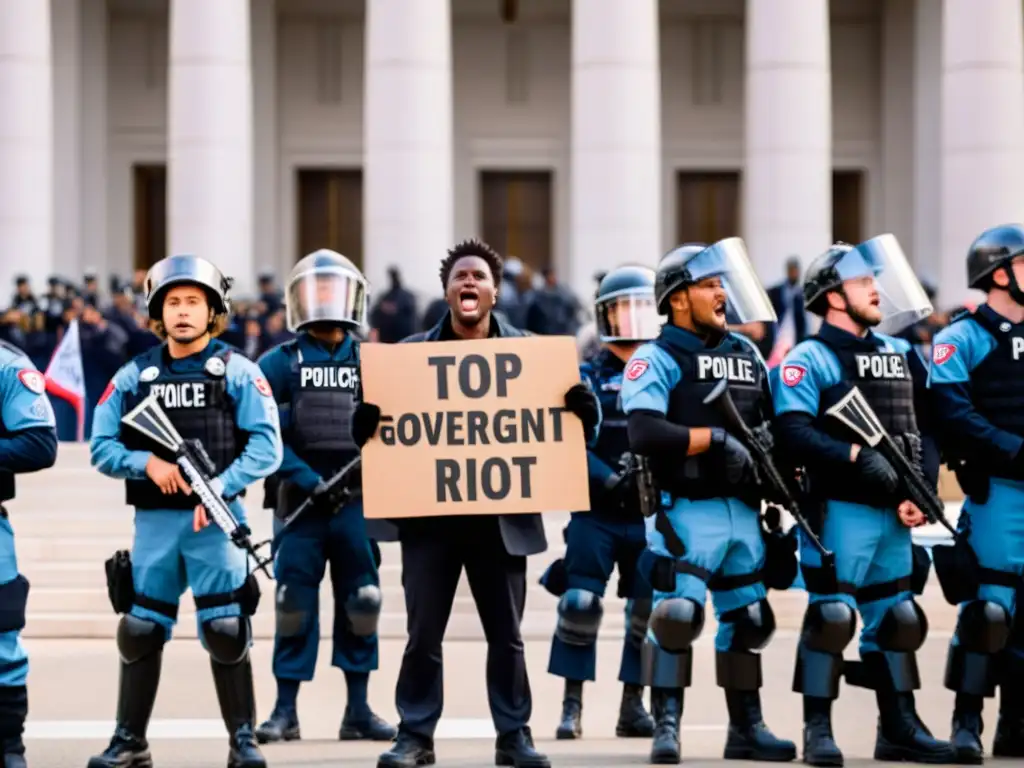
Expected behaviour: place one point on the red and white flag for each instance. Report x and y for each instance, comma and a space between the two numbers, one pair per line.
65, 376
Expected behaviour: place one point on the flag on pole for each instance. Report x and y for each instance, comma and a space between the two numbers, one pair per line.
785, 339
65, 376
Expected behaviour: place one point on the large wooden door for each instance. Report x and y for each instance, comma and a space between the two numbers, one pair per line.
149, 184
847, 206
517, 216
330, 212
707, 206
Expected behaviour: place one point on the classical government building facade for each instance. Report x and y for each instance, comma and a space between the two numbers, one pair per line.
572, 133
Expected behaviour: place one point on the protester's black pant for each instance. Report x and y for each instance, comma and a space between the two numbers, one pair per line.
434, 553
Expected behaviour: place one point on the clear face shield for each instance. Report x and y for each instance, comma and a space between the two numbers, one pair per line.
746, 299
326, 295
628, 316
902, 300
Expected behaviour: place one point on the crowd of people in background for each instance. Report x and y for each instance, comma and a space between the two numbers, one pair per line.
114, 325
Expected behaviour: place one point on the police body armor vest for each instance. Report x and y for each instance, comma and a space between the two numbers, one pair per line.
997, 385
701, 477
613, 438
885, 380
6, 478
323, 400
198, 405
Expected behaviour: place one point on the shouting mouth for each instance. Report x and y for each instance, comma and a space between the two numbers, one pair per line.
719, 309
469, 302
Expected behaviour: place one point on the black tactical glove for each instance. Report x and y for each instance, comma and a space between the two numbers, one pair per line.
582, 402
327, 501
876, 470
736, 460
622, 490
364, 422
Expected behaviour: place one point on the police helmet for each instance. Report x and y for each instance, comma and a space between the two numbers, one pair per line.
186, 270
992, 249
325, 287
673, 275
823, 276
624, 305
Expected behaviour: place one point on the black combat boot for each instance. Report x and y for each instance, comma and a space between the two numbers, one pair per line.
238, 708
634, 721
282, 725
136, 695
1009, 741
13, 711
365, 726
820, 746
739, 673
408, 751
667, 705
570, 726
516, 749
901, 736
972, 675
967, 729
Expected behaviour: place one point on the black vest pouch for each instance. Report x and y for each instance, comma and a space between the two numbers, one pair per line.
120, 586
958, 570
780, 562
973, 481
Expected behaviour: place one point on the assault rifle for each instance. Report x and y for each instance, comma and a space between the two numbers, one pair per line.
855, 412
338, 491
720, 398
149, 419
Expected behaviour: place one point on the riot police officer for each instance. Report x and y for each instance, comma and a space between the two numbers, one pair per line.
977, 383
862, 512
315, 378
612, 532
28, 443
707, 533
212, 394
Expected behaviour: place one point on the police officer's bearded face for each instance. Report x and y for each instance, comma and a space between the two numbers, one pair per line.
863, 304
471, 291
701, 306
186, 313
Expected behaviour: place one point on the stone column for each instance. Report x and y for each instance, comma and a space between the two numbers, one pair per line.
210, 136
982, 129
26, 145
408, 174
787, 176
616, 137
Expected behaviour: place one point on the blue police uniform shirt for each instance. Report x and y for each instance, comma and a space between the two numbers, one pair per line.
28, 434
603, 376
277, 365
255, 412
958, 350
651, 373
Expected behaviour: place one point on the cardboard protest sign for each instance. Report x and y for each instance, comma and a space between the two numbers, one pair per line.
473, 427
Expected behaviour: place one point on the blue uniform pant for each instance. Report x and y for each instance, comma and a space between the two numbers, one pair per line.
722, 538
301, 555
595, 545
168, 556
13, 594
873, 550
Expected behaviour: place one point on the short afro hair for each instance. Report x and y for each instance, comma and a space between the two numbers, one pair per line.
472, 247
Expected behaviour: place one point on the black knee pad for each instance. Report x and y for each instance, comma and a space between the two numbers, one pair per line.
639, 613
676, 622
579, 617
292, 610
753, 626
828, 627
138, 638
363, 610
227, 638
983, 627
903, 627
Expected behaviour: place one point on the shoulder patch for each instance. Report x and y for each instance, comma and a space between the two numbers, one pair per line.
943, 353
263, 387
34, 381
792, 375
636, 369
106, 393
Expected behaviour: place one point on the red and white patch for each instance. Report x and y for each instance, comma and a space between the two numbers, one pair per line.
793, 374
943, 353
33, 380
636, 369
107, 393
264, 387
